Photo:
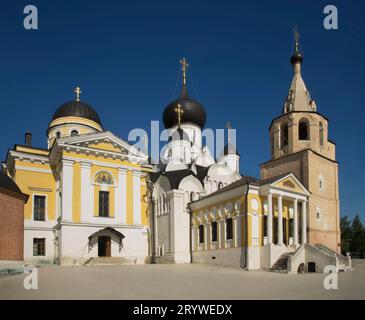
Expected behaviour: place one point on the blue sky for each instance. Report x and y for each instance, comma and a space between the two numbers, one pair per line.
124, 55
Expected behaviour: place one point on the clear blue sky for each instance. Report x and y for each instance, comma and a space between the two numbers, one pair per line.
124, 55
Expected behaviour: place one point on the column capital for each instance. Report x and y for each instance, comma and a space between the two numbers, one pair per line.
85, 165
122, 170
67, 163
137, 173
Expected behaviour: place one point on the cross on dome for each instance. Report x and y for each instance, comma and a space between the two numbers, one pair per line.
78, 92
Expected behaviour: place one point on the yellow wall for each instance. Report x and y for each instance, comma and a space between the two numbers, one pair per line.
129, 198
76, 196
28, 180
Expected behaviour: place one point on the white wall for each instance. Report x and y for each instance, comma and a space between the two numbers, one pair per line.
234, 257
75, 243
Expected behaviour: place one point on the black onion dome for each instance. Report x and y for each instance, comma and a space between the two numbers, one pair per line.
77, 109
194, 112
296, 57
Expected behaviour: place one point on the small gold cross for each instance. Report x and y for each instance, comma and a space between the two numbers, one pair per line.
179, 111
78, 92
184, 67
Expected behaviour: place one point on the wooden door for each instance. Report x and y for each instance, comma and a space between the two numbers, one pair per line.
104, 246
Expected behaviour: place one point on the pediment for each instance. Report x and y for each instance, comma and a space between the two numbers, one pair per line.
104, 142
290, 183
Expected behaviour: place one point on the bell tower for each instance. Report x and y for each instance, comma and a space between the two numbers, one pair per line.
299, 144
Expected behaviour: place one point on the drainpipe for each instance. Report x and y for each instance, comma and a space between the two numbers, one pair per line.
190, 233
246, 225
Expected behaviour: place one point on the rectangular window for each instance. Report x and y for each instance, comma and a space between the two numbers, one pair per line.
214, 231
103, 204
201, 234
229, 229
39, 208
39, 247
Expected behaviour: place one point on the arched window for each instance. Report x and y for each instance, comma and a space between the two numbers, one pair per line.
321, 134
284, 134
304, 130
74, 133
104, 178
220, 185
58, 135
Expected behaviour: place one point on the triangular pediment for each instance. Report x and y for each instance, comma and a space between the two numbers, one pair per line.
103, 142
290, 183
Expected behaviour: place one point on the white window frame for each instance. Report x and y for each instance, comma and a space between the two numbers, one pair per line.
45, 209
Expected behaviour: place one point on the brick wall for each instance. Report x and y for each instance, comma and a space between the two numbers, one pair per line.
11, 226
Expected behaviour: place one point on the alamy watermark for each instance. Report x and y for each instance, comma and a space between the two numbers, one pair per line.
330, 22
330, 282
31, 280
31, 19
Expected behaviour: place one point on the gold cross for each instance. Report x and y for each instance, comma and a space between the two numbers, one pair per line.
296, 38
179, 111
78, 92
184, 68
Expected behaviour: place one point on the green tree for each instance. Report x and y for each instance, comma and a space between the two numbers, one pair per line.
346, 234
357, 236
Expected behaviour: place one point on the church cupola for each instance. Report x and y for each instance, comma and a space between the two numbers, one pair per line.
298, 98
194, 113
229, 155
73, 118
299, 127
179, 145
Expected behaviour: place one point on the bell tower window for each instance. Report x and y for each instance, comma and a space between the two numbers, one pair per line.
284, 134
304, 130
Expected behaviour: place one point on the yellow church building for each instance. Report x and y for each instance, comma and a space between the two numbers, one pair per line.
95, 199
86, 181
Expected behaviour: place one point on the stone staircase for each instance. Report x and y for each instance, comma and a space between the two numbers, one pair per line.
281, 265
109, 261
344, 262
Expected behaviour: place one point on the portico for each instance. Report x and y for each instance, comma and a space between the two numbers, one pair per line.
289, 229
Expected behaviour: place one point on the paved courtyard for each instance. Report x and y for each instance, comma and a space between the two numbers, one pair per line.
180, 282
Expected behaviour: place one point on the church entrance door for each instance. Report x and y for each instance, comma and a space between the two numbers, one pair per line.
104, 246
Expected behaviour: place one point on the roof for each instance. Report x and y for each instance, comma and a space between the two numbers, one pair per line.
7, 183
77, 109
194, 112
119, 235
175, 177
247, 180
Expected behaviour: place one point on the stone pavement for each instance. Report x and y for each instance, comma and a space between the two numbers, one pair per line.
190, 281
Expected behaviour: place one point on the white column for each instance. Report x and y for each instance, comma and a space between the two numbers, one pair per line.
207, 236
86, 209
193, 237
269, 218
121, 197
220, 239
155, 227
280, 220
137, 217
67, 184
295, 222
304, 222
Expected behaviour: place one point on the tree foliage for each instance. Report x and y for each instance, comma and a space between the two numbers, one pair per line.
352, 235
